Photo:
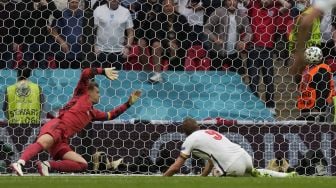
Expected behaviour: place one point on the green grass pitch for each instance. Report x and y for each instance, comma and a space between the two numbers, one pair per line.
158, 182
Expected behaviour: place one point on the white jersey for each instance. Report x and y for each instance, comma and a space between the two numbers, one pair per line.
211, 145
111, 26
325, 5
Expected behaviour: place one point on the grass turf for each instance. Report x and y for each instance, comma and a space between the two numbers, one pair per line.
158, 182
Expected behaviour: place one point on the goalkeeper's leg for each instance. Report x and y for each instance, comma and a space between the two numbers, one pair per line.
68, 160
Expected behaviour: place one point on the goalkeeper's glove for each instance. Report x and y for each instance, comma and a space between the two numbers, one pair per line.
111, 73
134, 97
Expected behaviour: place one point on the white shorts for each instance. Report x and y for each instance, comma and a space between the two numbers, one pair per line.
241, 166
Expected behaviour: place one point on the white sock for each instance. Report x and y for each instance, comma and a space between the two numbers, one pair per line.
20, 161
272, 173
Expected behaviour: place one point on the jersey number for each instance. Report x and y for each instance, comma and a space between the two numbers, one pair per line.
216, 135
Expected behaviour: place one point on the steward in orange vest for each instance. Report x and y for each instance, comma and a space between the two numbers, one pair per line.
317, 84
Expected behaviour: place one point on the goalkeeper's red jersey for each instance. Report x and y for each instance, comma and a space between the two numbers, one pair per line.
79, 111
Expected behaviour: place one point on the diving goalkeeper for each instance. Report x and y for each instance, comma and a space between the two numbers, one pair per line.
73, 117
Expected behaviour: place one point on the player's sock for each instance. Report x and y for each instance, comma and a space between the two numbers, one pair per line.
271, 173
30, 152
68, 166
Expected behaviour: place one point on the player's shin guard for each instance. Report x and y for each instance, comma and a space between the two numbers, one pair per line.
68, 166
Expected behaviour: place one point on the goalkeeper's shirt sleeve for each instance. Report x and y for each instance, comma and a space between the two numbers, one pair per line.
83, 83
103, 116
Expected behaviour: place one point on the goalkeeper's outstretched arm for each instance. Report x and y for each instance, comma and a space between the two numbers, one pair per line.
89, 73
104, 116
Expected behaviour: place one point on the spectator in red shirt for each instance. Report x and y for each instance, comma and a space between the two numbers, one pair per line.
263, 15
78, 112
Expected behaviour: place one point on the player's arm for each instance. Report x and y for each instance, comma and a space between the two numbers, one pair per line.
89, 73
207, 169
104, 116
174, 168
185, 153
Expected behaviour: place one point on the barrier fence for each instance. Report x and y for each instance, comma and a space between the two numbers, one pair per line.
130, 141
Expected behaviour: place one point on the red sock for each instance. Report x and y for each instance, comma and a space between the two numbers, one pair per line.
31, 151
68, 166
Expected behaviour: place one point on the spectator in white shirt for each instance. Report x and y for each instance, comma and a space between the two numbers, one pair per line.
111, 21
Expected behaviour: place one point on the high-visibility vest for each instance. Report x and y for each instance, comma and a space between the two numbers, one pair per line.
24, 106
307, 96
315, 37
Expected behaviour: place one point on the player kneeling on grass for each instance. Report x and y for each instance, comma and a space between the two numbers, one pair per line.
225, 157
78, 112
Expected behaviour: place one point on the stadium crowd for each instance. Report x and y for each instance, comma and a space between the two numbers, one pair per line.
244, 36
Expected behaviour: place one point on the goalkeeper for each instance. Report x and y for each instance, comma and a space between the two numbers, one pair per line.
78, 112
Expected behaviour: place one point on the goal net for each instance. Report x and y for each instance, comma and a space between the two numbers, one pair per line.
224, 63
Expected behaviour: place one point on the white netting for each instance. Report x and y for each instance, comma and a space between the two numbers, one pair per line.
220, 62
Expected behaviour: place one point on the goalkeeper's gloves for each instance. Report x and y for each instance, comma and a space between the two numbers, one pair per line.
111, 73
134, 97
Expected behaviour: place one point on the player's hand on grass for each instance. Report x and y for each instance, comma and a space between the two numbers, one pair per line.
111, 73
134, 97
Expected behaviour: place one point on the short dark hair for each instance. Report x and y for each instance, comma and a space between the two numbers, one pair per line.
189, 126
23, 74
92, 85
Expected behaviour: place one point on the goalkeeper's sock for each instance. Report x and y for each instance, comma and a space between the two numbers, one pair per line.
31, 151
68, 166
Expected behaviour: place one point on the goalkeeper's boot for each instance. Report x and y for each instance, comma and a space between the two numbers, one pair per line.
43, 168
17, 168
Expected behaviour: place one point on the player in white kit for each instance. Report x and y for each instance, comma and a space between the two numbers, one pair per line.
226, 157
317, 10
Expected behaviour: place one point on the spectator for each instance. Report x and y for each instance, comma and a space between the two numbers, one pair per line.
193, 10
9, 14
209, 7
168, 34
147, 12
68, 31
111, 21
284, 22
224, 28
35, 32
329, 51
23, 100
263, 15
129, 4
325, 27
299, 7
316, 87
